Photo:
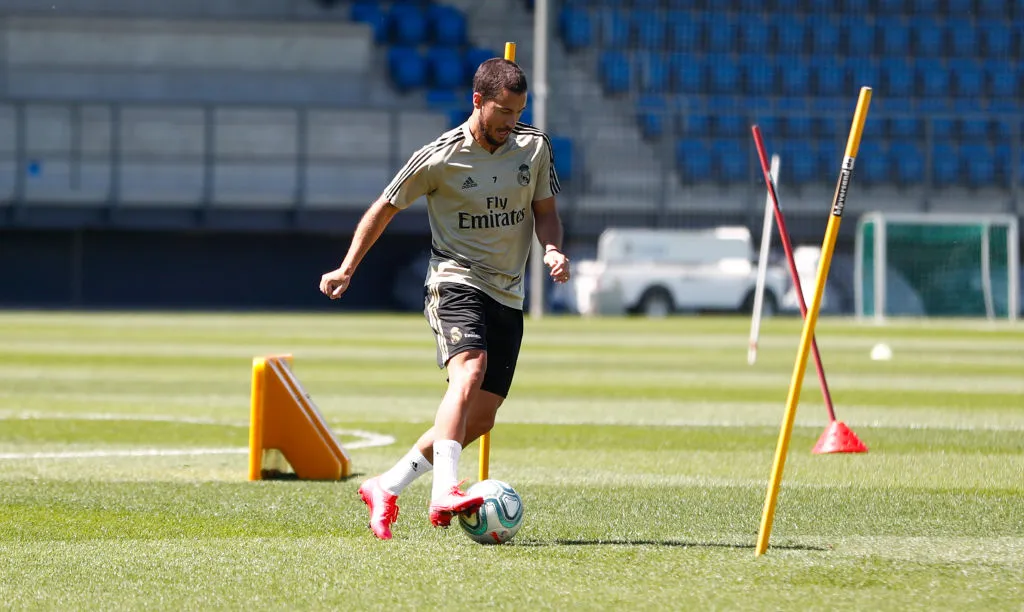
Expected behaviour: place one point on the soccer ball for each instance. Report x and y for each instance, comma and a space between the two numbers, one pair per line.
498, 520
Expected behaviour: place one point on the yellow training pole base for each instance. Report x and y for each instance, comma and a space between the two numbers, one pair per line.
828, 246
285, 423
485, 440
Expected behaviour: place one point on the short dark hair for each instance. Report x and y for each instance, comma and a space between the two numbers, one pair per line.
498, 74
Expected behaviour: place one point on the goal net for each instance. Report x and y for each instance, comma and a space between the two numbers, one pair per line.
937, 265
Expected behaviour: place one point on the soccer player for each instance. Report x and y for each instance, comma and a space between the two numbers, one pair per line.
490, 184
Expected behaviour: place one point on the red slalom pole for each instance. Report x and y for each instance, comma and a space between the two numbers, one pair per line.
784, 234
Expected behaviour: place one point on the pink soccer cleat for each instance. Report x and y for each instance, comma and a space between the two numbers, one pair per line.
454, 502
383, 507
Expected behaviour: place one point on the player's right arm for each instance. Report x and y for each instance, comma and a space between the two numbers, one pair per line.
411, 182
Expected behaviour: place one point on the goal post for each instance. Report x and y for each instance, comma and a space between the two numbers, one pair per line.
937, 265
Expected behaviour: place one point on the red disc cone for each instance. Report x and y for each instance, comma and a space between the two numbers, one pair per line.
838, 438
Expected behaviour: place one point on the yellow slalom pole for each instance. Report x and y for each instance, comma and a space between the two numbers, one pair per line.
829, 244
485, 440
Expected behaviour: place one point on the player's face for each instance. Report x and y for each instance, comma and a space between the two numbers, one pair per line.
497, 117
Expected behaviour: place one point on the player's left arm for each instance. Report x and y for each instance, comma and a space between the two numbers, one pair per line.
547, 223
548, 226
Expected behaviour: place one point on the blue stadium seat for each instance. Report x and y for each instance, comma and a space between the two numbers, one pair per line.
994, 9
907, 162
721, 34
829, 77
899, 78
872, 163
445, 67
959, 7
862, 7
648, 30
939, 115
892, 7
475, 57
963, 41
408, 24
796, 121
830, 158
1005, 116
832, 116
685, 31
996, 37
764, 116
933, 78
576, 28
731, 159
652, 113
979, 164
447, 24
929, 37
1002, 78
370, 12
903, 121
614, 28
971, 118
1003, 152
895, 35
754, 34
800, 161
926, 7
758, 74
724, 76
861, 37
730, 124
791, 35
407, 67
864, 73
824, 37
794, 76
945, 164
788, 6
695, 124
653, 71
693, 159
689, 74
969, 80
562, 149
613, 66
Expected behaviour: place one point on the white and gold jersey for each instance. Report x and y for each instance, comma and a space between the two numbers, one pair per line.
480, 206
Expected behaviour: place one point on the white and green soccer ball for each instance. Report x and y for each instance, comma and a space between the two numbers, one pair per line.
498, 520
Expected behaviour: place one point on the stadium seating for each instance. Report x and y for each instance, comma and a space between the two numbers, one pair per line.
947, 83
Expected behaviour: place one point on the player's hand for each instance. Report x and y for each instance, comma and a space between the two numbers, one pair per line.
559, 264
334, 283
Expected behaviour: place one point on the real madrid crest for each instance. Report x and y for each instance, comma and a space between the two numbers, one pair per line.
523, 175
455, 334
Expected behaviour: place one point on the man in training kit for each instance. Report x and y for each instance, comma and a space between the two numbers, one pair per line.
490, 183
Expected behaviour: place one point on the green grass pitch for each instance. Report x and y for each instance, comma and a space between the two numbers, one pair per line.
642, 450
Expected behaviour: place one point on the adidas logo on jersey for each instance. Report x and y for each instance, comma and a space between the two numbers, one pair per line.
469, 183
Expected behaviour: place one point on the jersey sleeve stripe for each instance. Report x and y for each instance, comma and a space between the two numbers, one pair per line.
525, 128
418, 160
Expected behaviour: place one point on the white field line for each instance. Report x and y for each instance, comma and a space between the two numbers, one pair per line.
365, 439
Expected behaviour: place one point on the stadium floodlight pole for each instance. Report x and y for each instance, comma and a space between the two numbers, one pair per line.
762, 267
828, 245
540, 121
787, 246
485, 440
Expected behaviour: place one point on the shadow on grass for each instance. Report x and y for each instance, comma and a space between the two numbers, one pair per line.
669, 543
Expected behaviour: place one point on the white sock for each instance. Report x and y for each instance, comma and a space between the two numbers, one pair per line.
446, 467
409, 468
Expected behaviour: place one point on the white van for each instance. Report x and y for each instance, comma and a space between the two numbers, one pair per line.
658, 272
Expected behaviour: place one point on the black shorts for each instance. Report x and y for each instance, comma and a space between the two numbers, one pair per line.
465, 318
